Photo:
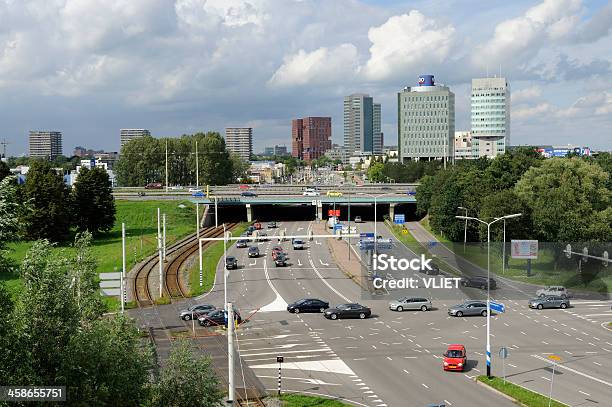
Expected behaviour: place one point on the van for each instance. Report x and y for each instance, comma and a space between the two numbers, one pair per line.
331, 222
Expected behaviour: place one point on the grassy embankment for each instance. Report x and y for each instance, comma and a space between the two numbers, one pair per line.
210, 258
140, 218
299, 400
526, 397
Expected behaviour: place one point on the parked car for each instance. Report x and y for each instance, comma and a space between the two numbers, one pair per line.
474, 307
455, 358
478, 282
348, 311
271, 225
298, 244
253, 251
217, 317
308, 305
231, 263
242, 243
334, 193
549, 301
248, 194
358, 219
195, 311
553, 290
154, 185
280, 260
410, 303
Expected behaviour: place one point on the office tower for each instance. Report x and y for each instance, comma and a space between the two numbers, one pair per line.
362, 124
280, 150
310, 137
128, 135
239, 140
463, 145
490, 116
45, 144
426, 121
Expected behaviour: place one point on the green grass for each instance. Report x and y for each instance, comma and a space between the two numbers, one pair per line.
140, 219
425, 223
210, 258
521, 394
299, 400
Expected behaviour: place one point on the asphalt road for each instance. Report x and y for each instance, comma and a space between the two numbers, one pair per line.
394, 359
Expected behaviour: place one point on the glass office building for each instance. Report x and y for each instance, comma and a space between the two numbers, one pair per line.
490, 106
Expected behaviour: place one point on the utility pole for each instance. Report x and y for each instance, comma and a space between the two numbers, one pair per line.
164, 234
161, 260
166, 165
230, 353
123, 271
197, 167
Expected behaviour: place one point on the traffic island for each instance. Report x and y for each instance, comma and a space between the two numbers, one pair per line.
518, 394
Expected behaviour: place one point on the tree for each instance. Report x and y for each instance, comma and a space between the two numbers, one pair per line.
85, 279
503, 203
443, 209
566, 197
5, 171
93, 204
187, 380
48, 197
141, 162
9, 211
216, 167
239, 166
505, 170
376, 172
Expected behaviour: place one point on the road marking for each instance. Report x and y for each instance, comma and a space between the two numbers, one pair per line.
568, 352
407, 372
598, 364
586, 394
523, 333
561, 366
511, 365
545, 343
448, 402
326, 283
424, 385
545, 378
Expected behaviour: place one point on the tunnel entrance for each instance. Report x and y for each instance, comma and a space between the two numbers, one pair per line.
366, 211
266, 213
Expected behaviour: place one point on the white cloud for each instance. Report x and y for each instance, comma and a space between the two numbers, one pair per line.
405, 42
526, 94
324, 65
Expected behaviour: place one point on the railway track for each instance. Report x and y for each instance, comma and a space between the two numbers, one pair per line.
253, 402
179, 252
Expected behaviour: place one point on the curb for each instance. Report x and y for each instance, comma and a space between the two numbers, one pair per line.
604, 325
504, 395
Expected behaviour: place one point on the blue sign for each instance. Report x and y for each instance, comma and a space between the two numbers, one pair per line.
426, 80
399, 219
198, 194
369, 234
497, 307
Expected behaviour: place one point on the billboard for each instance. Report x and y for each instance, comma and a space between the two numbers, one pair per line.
426, 80
524, 249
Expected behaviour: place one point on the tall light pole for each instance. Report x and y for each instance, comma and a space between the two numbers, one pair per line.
515, 215
375, 230
166, 165
465, 228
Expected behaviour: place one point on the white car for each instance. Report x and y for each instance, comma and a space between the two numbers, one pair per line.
298, 244
310, 193
194, 190
555, 290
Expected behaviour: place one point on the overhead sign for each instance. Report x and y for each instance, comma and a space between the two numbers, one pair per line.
524, 249
497, 307
369, 234
399, 219
503, 352
333, 212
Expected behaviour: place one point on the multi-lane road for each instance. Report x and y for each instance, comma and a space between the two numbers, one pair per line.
395, 359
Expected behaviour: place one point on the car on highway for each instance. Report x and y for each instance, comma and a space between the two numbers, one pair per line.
231, 262
154, 185
262, 236
434, 271
257, 225
195, 311
276, 250
250, 230
478, 282
411, 193
455, 358
298, 244
253, 251
271, 225
348, 311
198, 194
280, 260
358, 219
410, 303
469, 308
248, 194
217, 317
242, 243
308, 305
334, 193
549, 301
310, 192
553, 290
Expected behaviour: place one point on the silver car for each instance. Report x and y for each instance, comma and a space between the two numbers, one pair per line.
550, 301
475, 307
412, 303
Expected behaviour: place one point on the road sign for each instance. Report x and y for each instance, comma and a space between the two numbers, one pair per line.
497, 306
280, 359
404, 231
503, 352
333, 212
554, 357
524, 249
399, 219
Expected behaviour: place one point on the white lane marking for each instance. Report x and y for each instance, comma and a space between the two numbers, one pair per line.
326, 283
279, 304
511, 365
586, 394
561, 366
424, 385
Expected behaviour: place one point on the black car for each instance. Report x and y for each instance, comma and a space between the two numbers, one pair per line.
478, 282
248, 193
253, 251
435, 270
242, 243
217, 317
195, 311
280, 260
348, 311
231, 263
308, 305
271, 225
250, 230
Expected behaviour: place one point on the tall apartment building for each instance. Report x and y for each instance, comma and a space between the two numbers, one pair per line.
310, 137
239, 140
45, 144
490, 116
362, 124
276, 150
127, 135
426, 121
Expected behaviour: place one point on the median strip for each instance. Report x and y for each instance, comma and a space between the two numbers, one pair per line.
516, 393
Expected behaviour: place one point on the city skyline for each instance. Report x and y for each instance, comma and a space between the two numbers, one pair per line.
90, 84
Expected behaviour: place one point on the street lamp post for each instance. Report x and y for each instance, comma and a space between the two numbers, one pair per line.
515, 215
465, 228
375, 230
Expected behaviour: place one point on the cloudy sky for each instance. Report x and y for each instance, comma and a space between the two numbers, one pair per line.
91, 67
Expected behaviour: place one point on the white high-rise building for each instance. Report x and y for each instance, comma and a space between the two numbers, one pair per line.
127, 135
490, 116
239, 140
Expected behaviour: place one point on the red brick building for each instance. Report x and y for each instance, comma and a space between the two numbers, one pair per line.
310, 137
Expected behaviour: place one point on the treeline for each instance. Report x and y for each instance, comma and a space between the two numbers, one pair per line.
55, 334
44, 207
384, 171
143, 161
561, 199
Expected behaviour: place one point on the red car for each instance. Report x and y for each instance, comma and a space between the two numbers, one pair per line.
257, 226
276, 251
455, 358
